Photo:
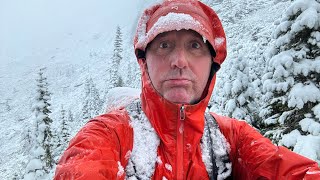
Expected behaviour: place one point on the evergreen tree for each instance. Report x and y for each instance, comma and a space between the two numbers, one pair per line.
137, 80
7, 105
61, 135
70, 116
239, 92
41, 160
255, 57
65, 135
130, 75
236, 92
59, 142
292, 83
133, 75
92, 104
115, 79
56, 144
238, 86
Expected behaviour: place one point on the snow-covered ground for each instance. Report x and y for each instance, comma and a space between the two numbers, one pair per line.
74, 41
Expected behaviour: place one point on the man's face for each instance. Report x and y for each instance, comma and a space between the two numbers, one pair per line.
179, 64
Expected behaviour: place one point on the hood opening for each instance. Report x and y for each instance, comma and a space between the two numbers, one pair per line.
140, 54
214, 69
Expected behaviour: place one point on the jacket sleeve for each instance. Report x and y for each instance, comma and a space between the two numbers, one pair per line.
255, 157
100, 150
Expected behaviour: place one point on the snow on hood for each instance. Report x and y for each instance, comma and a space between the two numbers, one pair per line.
177, 15
171, 21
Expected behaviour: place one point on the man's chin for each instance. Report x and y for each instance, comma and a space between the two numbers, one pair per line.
178, 98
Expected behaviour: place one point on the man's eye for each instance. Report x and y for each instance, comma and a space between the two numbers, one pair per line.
195, 45
164, 45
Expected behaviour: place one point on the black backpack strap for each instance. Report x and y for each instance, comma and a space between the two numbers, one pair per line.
221, 165
210, 123
134, 106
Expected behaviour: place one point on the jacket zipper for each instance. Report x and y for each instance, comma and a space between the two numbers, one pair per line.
180, 132
182, 112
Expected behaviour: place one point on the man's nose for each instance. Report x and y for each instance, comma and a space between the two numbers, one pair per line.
179, 58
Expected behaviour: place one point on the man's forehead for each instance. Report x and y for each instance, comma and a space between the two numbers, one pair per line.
184, 31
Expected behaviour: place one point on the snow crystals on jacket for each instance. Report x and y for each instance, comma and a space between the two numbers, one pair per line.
144, 157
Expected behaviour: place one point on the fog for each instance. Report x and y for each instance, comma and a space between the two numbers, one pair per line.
32, 27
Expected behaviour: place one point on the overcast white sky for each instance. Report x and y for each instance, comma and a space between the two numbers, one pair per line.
28, 26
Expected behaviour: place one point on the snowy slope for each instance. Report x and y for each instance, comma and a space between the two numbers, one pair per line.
74, 41
74, 45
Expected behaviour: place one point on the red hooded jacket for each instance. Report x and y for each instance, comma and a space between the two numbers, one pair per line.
100, 149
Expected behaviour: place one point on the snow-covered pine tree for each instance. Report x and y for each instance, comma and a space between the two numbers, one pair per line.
292, 83
137, 80
236, 93
115, 79
60, 135
7, 104
41, 160
249, 53
133, 75
65, 135
27, 139
130, 74
92, 104
70, 116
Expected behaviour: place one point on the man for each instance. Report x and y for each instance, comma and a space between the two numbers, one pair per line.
180, 44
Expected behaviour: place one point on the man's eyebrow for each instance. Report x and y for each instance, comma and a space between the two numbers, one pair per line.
197, 35
161, 35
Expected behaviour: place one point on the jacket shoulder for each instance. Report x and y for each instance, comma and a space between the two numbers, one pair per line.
234, 129
254, 156
98, 149
113, 119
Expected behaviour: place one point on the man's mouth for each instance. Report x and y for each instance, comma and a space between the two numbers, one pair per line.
178, 82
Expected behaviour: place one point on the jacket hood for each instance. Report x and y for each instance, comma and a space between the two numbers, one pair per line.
176, 15
180, 137
181, 14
